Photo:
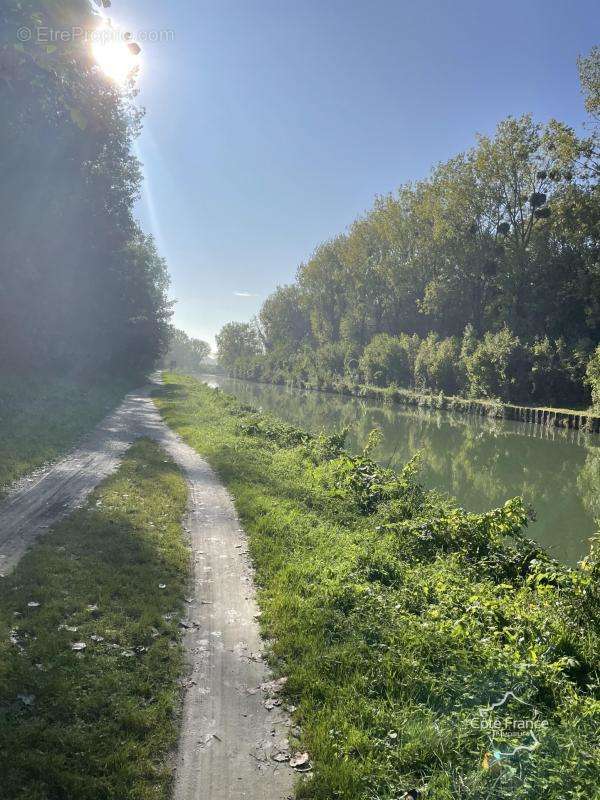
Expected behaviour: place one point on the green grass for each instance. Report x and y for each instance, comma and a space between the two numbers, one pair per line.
399, 620
97, 724
43, 416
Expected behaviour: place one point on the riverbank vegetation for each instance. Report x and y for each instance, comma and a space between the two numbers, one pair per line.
82, 288
42, 416
425, 647
481, 280
89, 644
481, 460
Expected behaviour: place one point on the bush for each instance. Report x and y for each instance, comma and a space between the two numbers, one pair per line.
499, 366
329, 360
390, 359
592, 378
558, 372
437, 365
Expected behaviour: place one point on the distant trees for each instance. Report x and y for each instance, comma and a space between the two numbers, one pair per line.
283, 319
81, 286
492, 264
185, 353
237, 344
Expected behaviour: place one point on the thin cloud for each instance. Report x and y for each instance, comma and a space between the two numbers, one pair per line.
246, 294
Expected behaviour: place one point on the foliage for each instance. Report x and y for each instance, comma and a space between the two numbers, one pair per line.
504, 236
283, 318
100, 723
184, 352
399, 620
589, 75
388, 359
237, 342
593, 377
81, 287
498, 367
438, 366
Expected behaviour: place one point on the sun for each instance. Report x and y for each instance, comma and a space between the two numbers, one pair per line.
114, 55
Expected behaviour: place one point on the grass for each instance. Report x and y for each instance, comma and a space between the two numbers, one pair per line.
400, 620
97, 724
42, 416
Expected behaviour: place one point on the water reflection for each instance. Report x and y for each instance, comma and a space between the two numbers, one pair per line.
479, 461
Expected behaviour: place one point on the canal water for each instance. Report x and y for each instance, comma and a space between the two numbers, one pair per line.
479, 461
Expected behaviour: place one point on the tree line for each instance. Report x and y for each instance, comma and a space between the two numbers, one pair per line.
185, 353
483, 279
82, 287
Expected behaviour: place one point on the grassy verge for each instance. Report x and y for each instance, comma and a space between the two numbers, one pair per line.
402, 622
42, 417
97, 723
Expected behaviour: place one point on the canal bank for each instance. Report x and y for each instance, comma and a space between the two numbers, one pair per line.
402, 626
549, 417
480, 459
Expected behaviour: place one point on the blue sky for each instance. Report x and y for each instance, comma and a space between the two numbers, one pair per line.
271, 125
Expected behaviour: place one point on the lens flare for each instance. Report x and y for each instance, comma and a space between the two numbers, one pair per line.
114, 55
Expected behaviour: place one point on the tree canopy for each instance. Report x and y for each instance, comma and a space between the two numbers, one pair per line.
502, 240
81, 286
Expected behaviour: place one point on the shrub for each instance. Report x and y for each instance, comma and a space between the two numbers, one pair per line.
437, 365
499, 366
390, 359
592, 377
558, 372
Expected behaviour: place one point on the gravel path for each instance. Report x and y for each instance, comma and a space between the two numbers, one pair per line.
228, 737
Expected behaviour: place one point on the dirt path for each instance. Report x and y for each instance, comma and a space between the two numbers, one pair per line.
228, 737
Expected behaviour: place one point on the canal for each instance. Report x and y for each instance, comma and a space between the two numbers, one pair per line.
481, 462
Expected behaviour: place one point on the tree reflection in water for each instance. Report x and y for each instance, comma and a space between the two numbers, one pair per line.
481, 462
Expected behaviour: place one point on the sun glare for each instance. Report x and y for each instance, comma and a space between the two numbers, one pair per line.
114, 56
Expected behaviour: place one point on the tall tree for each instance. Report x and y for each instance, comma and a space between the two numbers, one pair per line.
81, 286
236, 342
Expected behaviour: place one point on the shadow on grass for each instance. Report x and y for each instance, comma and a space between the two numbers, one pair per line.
97, 722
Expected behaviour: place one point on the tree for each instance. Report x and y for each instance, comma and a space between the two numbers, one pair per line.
501, 242
284, 322
81, 287
185, 353
236, 342
589, 76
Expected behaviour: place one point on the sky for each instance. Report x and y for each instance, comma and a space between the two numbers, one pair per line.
270, 126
